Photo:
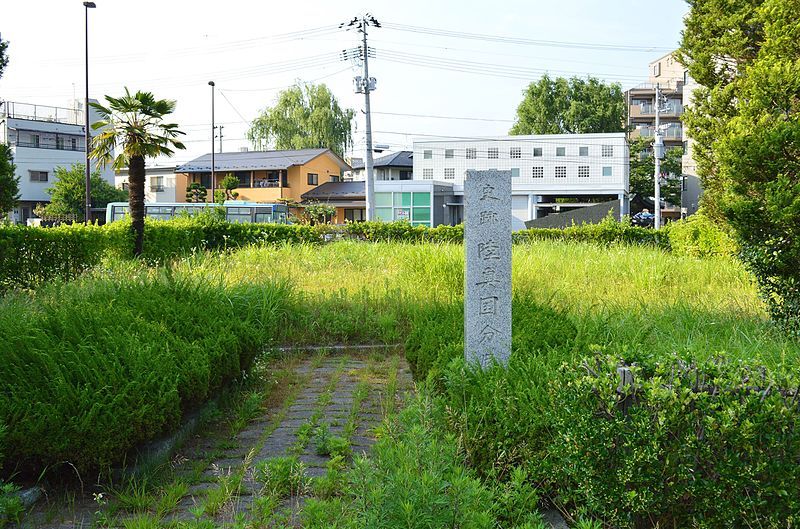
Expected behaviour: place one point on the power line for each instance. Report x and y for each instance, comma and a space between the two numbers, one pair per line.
244, 120
464, 118
522, 41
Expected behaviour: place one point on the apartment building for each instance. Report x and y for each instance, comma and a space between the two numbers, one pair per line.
42, 138
668, 74
550, 173
676, 87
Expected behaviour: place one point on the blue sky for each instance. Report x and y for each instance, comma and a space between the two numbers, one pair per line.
173, 47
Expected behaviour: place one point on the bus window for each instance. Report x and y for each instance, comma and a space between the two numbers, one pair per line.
159, 212
239, 215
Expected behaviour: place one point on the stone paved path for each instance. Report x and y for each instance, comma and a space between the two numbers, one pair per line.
266, 469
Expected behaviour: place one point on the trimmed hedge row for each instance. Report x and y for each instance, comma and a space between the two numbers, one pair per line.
31, 256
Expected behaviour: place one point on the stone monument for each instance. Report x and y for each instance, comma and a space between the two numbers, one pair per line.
487, 289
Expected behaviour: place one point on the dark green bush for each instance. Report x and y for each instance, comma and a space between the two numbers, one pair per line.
713, 445
94, 367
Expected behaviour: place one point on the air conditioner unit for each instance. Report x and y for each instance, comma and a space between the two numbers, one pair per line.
244, 149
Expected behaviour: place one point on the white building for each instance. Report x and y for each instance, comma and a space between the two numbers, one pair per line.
159, 184
393, 166
550, 173
42, 138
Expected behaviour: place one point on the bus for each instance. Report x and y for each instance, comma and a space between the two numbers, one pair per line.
235, 211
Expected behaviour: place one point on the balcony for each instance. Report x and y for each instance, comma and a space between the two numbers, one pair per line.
47, 145
68, 116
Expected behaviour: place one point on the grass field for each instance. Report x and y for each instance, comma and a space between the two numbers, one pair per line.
571, 300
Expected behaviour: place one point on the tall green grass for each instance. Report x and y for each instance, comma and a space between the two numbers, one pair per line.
94, 367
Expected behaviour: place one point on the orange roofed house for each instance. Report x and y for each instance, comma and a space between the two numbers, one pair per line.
264, 176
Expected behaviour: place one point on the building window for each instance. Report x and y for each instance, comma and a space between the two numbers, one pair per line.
60, 143
515, 153
583, 151
472, 153
607, 171
335, 178
38, 176
35, 140
243, 177
657, 69
561, 151
583, 171
205, 180
537, 151
515, 172
74, 143
427, 174
607, 151
448, 153
427, 154
449, 173
354, 215
493, 153
125, 186
406, 175
156, 184
313, 179
561, 171
538, 171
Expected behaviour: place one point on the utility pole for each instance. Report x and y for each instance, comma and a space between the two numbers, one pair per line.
211, 84
658, 154
366, 85
87, 139
220, 127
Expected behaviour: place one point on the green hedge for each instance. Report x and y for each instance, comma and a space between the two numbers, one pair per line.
31, 256
94, 367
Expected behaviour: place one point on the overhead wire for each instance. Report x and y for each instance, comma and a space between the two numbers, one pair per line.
504, 39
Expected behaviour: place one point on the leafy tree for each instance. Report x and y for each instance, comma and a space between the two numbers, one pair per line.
9, 181
747, 53
68, 193
565, 106
228, 184
642, 164
135, 124
3, 56
304, 116
196, 193
319, 213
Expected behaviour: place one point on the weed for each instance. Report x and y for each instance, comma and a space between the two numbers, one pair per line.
282, 476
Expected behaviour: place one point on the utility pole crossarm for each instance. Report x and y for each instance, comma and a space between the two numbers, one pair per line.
366, 85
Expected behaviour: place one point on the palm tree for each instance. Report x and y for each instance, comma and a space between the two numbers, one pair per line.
135, 123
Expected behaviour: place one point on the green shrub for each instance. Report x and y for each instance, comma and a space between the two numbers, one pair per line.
608, 231
712, 445
11, 507
699, 236
92, 368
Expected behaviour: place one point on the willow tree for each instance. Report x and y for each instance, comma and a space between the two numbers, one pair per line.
304, 116
135, 125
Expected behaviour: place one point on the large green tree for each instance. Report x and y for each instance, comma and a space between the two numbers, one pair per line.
304, 116
746, 123
642, 169
570, 106
133, 126
9, 181
3, 56
68, 193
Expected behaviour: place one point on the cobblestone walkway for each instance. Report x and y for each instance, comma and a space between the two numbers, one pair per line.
320, 413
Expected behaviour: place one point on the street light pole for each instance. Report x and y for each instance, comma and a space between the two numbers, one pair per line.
86, 137
211, 84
